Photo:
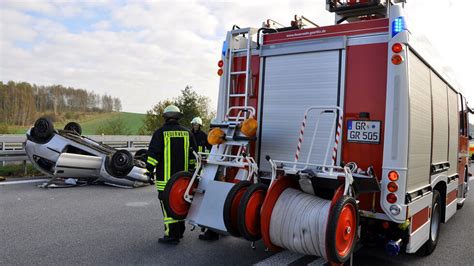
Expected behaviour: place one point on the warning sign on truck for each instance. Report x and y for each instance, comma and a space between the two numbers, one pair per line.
363, 131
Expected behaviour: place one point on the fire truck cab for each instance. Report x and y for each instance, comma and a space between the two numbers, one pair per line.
358, 134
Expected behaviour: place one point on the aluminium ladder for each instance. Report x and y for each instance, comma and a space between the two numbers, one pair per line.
230, 71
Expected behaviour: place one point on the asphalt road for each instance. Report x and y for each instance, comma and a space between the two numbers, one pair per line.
107, 225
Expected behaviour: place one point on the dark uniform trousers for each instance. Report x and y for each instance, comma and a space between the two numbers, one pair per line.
169, 152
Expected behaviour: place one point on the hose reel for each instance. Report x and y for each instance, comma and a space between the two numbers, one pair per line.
303, 223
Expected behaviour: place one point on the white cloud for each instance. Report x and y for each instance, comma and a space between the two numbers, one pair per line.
146, 51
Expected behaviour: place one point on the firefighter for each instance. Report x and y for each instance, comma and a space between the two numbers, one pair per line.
168, 152
203, 146
199, 135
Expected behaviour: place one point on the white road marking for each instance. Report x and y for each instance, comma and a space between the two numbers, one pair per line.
137, 204
23, 182
281, 258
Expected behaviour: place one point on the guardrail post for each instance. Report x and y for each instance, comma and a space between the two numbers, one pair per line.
3, 149
25, 168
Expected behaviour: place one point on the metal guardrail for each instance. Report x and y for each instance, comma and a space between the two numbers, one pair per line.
12, 147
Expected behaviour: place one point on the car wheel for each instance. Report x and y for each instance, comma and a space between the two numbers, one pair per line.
74, 127
43, 129
141, 155
120, 163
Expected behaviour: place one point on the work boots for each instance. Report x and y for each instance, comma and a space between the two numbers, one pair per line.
209, 235
169, 240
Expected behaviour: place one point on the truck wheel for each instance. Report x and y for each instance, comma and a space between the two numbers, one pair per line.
466, 179
173, 195
121, 163
73, 127
231, 206
249, 212
342, 229
435, 224
43, 129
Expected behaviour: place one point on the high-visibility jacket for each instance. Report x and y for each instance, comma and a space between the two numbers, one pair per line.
170, 151
201, 140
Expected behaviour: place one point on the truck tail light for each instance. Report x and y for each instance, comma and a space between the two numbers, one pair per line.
397, 48
397, 59
391, 198
220, 63
393, 176
220, 72
392, 187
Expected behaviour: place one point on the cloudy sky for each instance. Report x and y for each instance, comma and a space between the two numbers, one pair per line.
146, 51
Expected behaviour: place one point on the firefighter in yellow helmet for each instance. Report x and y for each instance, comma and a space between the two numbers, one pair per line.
203, 146
169, 152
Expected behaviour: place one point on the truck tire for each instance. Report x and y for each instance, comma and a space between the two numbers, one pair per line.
120, 163
73, 127
466, 179
435, 224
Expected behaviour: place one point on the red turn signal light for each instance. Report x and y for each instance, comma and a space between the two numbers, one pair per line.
391, 198
392, 187
397, 59
220, 72
393, 176
397, 48
220, 63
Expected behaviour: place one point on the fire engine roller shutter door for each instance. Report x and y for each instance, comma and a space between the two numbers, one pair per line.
440, 120
453, 131
292, 83
419, 149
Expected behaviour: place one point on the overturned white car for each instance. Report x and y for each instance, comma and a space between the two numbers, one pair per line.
65, 154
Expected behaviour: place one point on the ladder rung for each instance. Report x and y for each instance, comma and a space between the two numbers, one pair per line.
237, 95
239, 50
241, 31
238, 72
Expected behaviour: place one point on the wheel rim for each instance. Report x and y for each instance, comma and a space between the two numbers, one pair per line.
121, 159
176, 202
252, 212
346, 229
435, 222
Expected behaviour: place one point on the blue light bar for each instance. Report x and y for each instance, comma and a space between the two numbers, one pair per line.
398, 25
224, 48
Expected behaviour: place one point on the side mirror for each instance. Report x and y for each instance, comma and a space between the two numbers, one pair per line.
470, 137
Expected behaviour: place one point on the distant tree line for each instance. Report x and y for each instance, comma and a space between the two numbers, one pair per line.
191, 105
21, 103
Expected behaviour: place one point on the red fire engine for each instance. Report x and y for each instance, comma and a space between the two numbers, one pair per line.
329, 136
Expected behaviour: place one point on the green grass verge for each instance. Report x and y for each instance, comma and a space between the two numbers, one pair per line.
17, 170
91, 122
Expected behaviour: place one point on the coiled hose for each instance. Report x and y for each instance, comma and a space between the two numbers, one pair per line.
299, 222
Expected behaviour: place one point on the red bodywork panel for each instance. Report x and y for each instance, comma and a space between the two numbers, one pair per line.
419, 219
366, 83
